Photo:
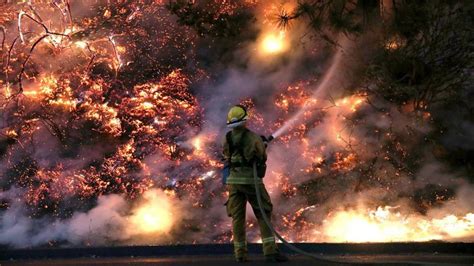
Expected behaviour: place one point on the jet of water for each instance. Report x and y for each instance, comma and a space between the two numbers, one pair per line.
320, 91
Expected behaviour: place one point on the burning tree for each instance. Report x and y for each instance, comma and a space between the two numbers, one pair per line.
112, 113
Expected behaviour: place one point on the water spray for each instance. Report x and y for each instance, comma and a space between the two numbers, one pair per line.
320, 90
318, 93
266, 141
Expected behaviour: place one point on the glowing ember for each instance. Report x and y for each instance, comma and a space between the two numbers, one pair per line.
197, 143
386, 224
154, 215
115, 101
273, 43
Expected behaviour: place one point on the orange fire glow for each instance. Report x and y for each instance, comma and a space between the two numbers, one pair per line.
154, 215
149, 130
274, 43
387, 224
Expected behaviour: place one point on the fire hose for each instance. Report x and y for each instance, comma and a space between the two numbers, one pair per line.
269, 224
275, 233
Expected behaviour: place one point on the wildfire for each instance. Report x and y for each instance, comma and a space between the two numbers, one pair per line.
155, 215
394, 43
197, 143
11, 133
386, 224
98, 114
274, 43
350, 103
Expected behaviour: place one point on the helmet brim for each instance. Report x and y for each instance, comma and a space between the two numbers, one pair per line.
238, 123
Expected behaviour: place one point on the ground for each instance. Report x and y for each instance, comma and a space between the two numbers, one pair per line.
214, 255
420, 259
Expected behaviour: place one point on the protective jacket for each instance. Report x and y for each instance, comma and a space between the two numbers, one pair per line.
246, 147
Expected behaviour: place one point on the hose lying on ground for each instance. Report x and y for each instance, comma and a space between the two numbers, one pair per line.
269, 224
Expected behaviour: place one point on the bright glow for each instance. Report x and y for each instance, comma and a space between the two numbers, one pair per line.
386, 225
81, 44
154, 215
274, 43
11, 133
197, 143
7, 91
351, 102
207, 175
147, 105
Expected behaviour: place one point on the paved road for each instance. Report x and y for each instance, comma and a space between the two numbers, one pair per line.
427, 253
418, 259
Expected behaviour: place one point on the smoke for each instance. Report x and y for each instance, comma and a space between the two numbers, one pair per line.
96, 154
327, 82
370, 195
112, 219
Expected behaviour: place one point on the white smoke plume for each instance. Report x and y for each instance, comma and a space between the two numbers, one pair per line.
341, 160
113, 219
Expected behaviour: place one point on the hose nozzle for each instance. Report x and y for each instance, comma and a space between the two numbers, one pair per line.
267, 140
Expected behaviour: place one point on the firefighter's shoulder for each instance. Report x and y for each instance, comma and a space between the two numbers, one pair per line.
253, 136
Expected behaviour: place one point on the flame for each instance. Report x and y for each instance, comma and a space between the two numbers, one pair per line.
147, 105
384, 224
7, 91
11, 133
394, 43
155, 215
139, 118
81, 44
197, 143
273, 43
350, 103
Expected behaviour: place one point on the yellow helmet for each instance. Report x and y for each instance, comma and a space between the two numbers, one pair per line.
237, 116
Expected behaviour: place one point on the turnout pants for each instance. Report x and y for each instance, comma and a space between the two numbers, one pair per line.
239, 195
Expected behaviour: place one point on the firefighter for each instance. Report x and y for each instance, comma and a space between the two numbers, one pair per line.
242, 148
